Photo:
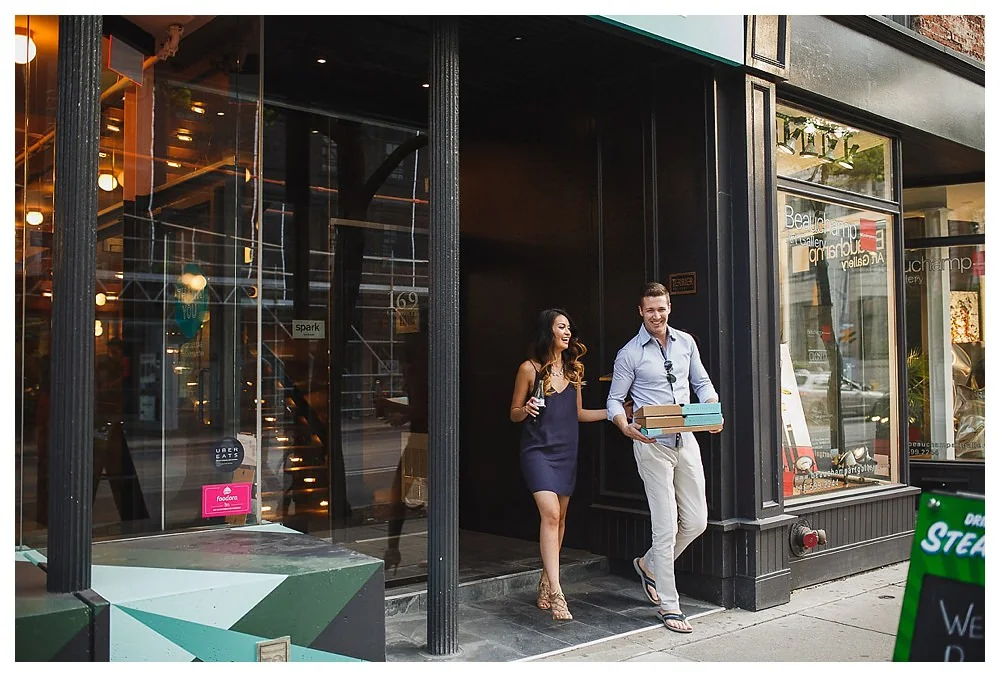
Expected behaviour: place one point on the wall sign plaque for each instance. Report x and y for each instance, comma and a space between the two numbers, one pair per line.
683, 283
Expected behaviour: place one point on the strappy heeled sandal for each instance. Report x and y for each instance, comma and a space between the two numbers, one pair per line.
560, 610
542, 602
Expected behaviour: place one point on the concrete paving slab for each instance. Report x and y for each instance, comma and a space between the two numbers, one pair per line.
876, 610
658, 657
793, 638
613, 651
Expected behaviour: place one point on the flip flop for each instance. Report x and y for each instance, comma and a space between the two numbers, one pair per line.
647, 582
673, 617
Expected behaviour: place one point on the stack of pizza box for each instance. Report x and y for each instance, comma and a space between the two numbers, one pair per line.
659, 420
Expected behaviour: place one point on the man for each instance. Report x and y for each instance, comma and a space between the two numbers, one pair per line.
658, 365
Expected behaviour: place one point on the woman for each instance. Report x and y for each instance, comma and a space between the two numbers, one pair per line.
549, 439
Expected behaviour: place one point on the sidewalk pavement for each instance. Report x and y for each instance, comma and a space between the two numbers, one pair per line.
849, 619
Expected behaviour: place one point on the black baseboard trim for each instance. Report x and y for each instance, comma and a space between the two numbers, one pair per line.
853, 559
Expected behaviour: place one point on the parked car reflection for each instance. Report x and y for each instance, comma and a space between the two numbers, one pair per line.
856, 399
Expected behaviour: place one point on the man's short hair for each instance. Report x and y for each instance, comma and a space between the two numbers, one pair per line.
653, 289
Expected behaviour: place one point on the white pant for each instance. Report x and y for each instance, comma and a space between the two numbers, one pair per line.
675, 490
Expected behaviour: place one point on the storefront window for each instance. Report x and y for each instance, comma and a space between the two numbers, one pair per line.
817, 150
946, 323
175, 297
34, 152
345, 293
837, 346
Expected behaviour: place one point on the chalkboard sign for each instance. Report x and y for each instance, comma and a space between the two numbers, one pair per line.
943, 617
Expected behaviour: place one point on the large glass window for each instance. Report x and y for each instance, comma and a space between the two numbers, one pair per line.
176, 303
946, 327
818, 150
345, 291
837, 345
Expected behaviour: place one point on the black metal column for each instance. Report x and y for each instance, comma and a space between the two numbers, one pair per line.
442, 546
73, 272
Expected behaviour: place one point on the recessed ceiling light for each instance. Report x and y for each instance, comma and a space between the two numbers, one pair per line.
426, 85
220, 113
518, 38
197, 108
315, 131
320, 60
171, 163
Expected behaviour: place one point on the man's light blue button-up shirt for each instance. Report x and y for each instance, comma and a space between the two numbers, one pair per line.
639, 368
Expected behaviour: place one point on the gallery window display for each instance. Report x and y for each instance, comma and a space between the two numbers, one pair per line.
945, 268
837, 343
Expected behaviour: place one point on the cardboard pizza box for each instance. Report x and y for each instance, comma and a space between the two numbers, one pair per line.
663, 432
661, 421
659, 410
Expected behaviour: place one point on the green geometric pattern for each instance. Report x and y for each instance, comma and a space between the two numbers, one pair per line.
305, 605
207, 643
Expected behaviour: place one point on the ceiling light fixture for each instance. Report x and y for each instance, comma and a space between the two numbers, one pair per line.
847, 162
787, 144
832, 135
808, 146
827, 156
107, 182
184, 134
196, 107
321, 60
426, 85
24, 45
171, 163
34, 218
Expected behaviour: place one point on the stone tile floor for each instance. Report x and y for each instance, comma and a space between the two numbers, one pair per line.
511, 628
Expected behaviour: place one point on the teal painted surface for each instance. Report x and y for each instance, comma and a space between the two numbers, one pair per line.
211, 596
212, 644
304, 605
718, 37
44, 622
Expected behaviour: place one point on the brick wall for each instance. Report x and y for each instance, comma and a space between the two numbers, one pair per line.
964, 33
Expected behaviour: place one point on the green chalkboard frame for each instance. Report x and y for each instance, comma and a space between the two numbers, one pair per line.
926, 559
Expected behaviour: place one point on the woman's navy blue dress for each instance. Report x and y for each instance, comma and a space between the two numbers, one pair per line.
549, 445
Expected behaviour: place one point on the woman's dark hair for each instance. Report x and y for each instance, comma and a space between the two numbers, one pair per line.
541, 349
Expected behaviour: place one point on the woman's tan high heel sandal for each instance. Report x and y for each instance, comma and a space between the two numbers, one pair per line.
543, 594
560, 610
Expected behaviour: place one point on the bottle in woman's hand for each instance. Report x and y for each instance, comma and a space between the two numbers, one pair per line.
539, 397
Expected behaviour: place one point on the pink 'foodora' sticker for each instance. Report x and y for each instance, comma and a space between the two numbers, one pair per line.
225, 499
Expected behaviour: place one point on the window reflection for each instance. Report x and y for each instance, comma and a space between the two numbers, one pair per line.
345, 333
175, 331
837, 347
945, 310
818, 150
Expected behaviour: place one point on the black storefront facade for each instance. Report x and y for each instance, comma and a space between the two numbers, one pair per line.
399, 220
